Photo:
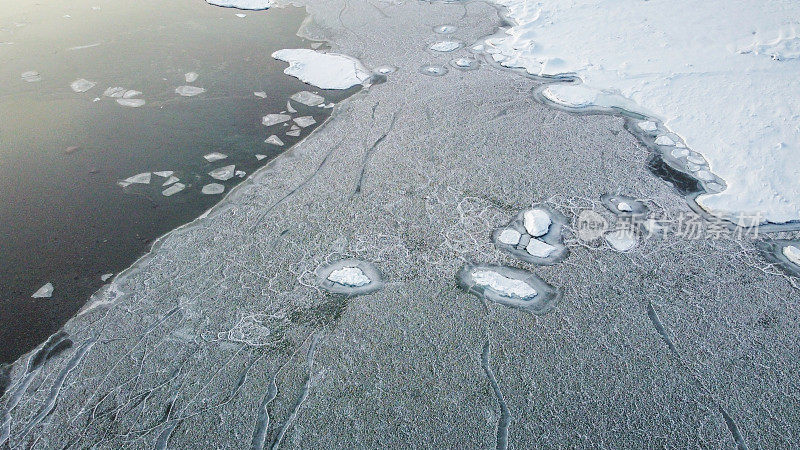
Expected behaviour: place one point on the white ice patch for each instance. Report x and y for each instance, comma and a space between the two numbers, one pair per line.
141, 178
539, 249
293, 133
213, 189
308, 98
537, 222
349, 276
260, 157
164, 173
274, 140
323, 70
665, 140
45, 291
31, 76
260, 94
699, 67
509, 236
191, 77
305, 121
189, 91
792, 253
171, 180
106, 276
131, 102
173, 189
223, 173
274, 119
648, 125
621, 240
508, 287
81, 85
215, 156
253, 5
624, 207
445, 46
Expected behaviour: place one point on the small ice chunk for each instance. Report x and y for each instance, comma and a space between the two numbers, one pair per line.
223, 173
253, 5
274, 140
647, 125
433, 70
665, 140
308, 98
305, 121
141, 178
240, 15
171, 180
274, 119
330, 105
213, 189
189, 91
164, 173
45, 291
323, 70
537, 222
191, 77
294, 133
82, 85
624, 207
106, 277
31, 76
260, 157
114, 92
385, 69
349, 276
509, 236
130, 93
215, 156
506, 286
240, 173
260, 94
792, 253
621, 240
680, 152
445, 46
289, 107
173, 189
131, 102
539, 249
445, 29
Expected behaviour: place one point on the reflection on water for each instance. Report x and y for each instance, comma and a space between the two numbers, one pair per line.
163, 85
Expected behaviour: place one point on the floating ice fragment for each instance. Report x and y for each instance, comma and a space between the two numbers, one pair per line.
349, 276
83, 47
274, 140
171, 180
213, 189
509, 236
324, 70
130, 93
330, 105
294, 133
189, 91
385, 70
240, 173
223, 173
445, 46
164, 173
260, 157
308, 98
647, 125
540, 249
624, 207
253, 5
536, 221
274, 119
191, 77
665, 140
105, 277
45, 291
131, 102
173, 189
141, 178
260, 94
433, 70
31, 76
82, 85
305, 121
679, 152
445, 29
792, 253
465, 63
215, 156
240, 15
621, 240
508, 286
114, 92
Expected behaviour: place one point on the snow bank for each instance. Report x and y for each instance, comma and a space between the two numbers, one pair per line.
725, 79
323, 70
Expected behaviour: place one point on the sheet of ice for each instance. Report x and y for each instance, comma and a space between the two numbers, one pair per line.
349, 276
106, 276
445, 29
114, 92
141, 178
45, 291
191, 77
164, 173
240, 15
792, 253
537, 222
213, 189
240, 173
647, 125
504, 285
223, 173
260, 157
539, 249
81, 85
189, 91
173, 189
274, 119
84, 47
305, 121
215, 156
509, 236
253, 5
621, 240
445, 46
130, 93
294, 133
170, 180
289, 107
260, 94
274, 140
308, 98
323, 70
31, 76
624, 207
723, 77
433, 70
131, 102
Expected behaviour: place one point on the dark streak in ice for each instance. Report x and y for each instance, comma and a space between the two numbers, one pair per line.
505, 415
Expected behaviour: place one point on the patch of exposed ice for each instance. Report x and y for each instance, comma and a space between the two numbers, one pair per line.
308, 98
621, 240
665, 140
31, 76
648, 125
539, 248
274, 140
323, 70
349, 276
173, 189
289, 107
215, 156
131, 102
191, 77
171, 180
465, 63
240, 173
260, 94
445, 29
305, 121
82, 85
106, 276
45, 291
84, 47
445, 46
385, 70
213, 189
141, 178
260, 157
274, 119
433, 70
223, 173
293, 133
253, 5
506, 286
792, 253
164, 173
537, 221
189, 91
624, 207
509, 236
240, 15
114, 92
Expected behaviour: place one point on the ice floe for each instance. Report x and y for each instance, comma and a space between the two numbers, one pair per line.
621, 240
191, 77
131, 102
350, 277
293, 133
534, 236
213, 189
171, 180
508, 286
289, 107
433, 70
304, 121
173, 189
106, 276
140, 178
445, 46
792, 253
82, 85
260, 94
45, 291
253, 5
445, 29
509, 236
274, 140
274, 119
465, 63
623, 205
723, 79
784, 253
540, 249
223, 173
537, 221
260, 157
215, 156
189, 91
308, 98
385, 70
323, 70
31, 76
164, 173
648, 126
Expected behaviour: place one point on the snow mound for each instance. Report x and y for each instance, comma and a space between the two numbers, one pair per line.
323, 70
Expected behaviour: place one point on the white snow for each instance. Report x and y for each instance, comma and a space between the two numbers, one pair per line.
45, 291
173, 189
81, 85
189, 91
215, 156
792, 253
539, 249
537, 221
223, 173
213, 189
621, 240
308, 98
191, 77
722, 76
323, 70
305, 121
508, 287
349, 276
445, 46
274, 119
509, 236
274, 140
242, 4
